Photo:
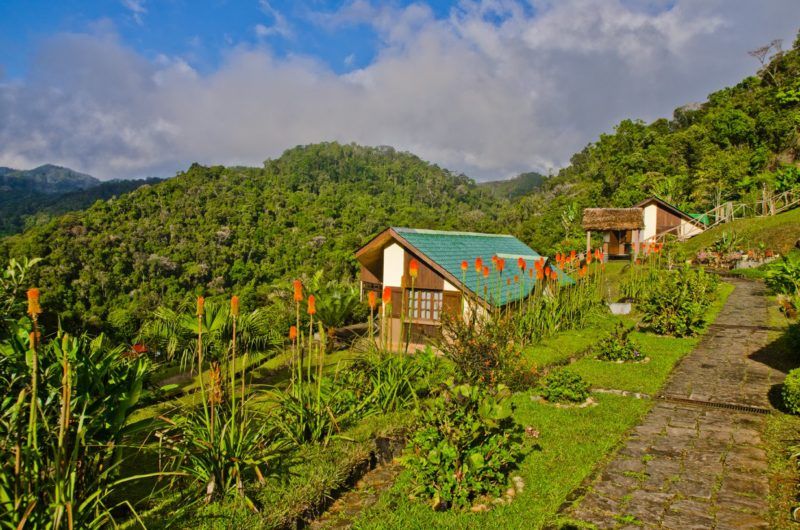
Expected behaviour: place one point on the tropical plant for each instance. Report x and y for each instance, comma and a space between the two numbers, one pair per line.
564, 386
62, 426
173, 333
783, 277
216, 447
466, 444
618, 346
13, 280
676, 303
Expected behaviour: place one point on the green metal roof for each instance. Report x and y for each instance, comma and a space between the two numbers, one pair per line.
449, 249
702, 217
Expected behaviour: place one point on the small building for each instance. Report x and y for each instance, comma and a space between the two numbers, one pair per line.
441, 284
625, 230
662, 218
621, 229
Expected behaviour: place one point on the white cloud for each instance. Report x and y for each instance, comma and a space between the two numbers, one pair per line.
280, 26
137, 9
493, 89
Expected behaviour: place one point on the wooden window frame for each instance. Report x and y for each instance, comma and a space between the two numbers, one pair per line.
429, 299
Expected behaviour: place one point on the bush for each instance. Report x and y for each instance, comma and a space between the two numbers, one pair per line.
618, 346
564, 386
466, 446
675, 304
783, 277
483, 351
791, 391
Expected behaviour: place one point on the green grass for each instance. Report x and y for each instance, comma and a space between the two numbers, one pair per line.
664, 353
779, 232
571, 444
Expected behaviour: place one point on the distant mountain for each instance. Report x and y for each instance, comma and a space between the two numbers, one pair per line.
33, 196
45, 179
512, 188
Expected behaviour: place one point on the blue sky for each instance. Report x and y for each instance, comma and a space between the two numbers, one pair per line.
491, 88
201, 31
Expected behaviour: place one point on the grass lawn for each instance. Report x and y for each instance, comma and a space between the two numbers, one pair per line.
779, 232
571, 443
664, 353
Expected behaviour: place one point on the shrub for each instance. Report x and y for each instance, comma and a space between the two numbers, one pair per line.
466, 446
564, 386
618, 346
791, 391
675, 304
783, 277
483, 351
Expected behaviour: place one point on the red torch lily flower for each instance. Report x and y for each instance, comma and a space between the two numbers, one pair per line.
478, 265
516, 278
234, 306
464, 265
413, 268
387, 295
521, 264
201, 302
292, 332
371, 300
312, 305
298, 290
34, 309
486, 272
501, 264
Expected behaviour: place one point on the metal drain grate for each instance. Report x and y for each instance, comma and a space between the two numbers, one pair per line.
713, 404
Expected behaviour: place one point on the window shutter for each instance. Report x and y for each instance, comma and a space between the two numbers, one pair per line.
452, 302
397, 302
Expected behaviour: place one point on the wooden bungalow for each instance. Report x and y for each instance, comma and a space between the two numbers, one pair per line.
441, 284
625, 230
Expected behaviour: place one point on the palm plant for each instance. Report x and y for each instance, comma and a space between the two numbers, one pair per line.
174, 332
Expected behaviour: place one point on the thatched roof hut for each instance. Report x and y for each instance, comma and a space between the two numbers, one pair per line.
605, 219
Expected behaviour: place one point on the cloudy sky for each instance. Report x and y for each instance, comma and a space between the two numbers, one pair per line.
136, 88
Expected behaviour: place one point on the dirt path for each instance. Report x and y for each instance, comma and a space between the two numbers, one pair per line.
697, 459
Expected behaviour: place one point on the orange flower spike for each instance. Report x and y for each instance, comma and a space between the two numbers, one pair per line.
530, 273
293, 333
486, 272
298, 291
516, 278
588, 257
371, 300
521, 264
387, 295
34, 308
508, 281
312, 305
234, 306
501, 264
539, 274
572, 255
413, 268
478, 265
201, 303
464, 266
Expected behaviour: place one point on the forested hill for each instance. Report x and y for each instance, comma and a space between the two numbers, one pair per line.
215, 229
516, 187
45, 179
742, 139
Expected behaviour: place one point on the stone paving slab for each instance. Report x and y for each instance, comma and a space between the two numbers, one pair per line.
692, 466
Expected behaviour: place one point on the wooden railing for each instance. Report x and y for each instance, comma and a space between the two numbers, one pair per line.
769, 205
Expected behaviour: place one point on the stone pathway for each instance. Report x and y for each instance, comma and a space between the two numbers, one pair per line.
690, 464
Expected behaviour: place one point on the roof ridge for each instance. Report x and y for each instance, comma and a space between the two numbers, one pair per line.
405, 230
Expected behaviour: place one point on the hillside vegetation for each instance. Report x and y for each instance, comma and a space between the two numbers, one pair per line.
744, 138
214, 229
779, 233
516, 187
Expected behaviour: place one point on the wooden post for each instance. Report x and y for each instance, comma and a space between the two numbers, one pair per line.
588, 241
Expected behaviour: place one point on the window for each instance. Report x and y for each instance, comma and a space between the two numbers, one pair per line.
426, 305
